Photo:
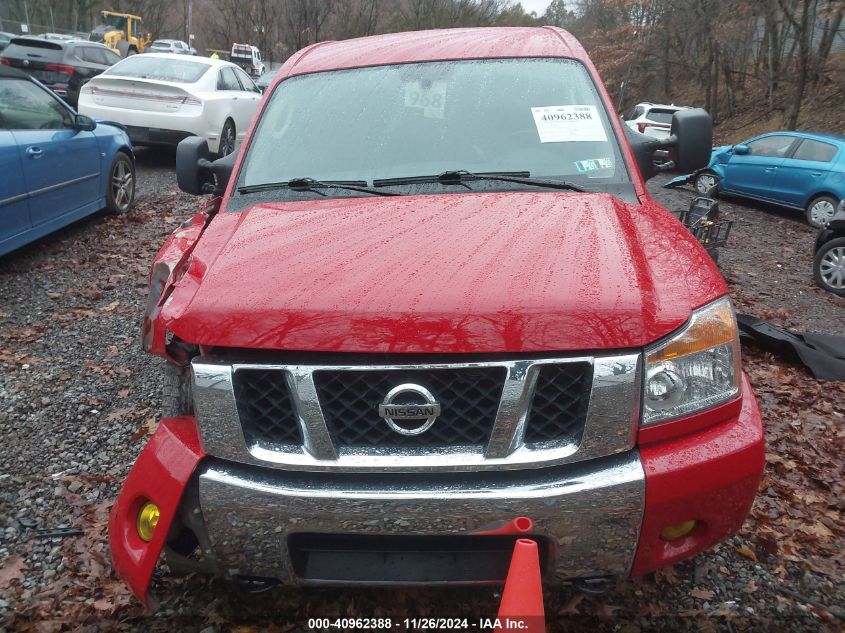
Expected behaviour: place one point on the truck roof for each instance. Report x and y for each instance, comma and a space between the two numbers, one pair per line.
471, 43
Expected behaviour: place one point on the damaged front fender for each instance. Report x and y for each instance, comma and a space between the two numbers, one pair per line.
170, 264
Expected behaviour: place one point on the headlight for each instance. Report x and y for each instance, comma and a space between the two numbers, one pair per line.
694, 369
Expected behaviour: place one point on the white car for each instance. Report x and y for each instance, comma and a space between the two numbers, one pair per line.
651, 119
177, 47
162, 98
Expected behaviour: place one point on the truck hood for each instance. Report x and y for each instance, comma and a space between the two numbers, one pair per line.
457, 273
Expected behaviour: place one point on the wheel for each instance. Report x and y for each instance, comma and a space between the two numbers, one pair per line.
829, 266
820, 211
707, 184
121, 187
227, 139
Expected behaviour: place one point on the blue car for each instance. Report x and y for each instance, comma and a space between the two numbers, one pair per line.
792, 169
56, 166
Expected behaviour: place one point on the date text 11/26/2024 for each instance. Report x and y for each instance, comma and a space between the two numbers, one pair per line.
421, 624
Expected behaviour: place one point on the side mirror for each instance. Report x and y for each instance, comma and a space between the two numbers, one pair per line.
689, 144
742, 150
692, 133
196, 173
84, 123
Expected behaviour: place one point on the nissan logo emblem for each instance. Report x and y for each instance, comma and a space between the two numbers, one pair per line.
398, 407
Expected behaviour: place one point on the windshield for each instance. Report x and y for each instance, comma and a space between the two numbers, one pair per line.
540, 116
117, 21
160, 68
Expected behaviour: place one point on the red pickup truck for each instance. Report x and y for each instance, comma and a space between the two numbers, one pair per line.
428, 300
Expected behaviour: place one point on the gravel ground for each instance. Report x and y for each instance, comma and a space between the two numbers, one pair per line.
78, 400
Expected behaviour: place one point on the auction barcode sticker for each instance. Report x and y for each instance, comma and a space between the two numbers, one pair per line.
565, 123
429, 96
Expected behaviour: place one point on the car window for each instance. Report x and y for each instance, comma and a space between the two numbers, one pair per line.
815, 150
771, 146
542, 116
246, 81
110, 56
92, 55
227, 80
25, 106
148, 67
660, 116
43, 50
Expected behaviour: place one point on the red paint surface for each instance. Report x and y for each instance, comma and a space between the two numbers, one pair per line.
160, 475
462, 273
711, 477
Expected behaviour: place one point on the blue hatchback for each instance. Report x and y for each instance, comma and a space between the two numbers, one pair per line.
793, 169
56, 166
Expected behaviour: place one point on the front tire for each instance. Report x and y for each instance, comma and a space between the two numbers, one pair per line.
120, 193
707, 184
829, 266
820, 211
227, 139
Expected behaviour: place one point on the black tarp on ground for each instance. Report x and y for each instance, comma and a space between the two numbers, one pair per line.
822, 354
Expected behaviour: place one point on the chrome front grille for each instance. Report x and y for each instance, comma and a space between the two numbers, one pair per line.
469, 399
265, 407
493, 414
559, 404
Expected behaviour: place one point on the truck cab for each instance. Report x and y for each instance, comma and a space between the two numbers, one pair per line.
430, 307
249, 58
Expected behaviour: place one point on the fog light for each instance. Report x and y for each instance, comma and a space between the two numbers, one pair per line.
147, 520
675, 532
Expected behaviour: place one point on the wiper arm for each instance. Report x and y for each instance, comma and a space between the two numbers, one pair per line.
462, 176
448, 178
309, 184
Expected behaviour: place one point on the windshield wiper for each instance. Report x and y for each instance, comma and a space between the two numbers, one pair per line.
462, 176
309, 184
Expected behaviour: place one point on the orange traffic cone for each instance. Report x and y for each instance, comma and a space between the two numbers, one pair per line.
522, 599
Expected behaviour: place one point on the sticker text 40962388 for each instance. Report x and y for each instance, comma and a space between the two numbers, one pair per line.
567, 123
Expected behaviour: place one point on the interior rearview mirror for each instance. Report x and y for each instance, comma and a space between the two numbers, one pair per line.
197, 173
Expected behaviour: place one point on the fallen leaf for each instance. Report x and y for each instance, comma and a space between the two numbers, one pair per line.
702, 594
110, 307
147, 428
12, 570
744, 551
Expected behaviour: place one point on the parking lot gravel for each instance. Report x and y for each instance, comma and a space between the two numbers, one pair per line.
79, 399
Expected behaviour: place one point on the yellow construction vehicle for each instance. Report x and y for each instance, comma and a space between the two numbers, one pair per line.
122, 33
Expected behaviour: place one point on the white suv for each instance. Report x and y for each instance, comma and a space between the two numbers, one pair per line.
651, 119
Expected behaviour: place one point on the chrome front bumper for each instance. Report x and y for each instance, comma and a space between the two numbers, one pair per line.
588, 513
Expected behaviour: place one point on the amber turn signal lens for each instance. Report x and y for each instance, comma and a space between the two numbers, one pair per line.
711, 328
147, 520
679, 531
